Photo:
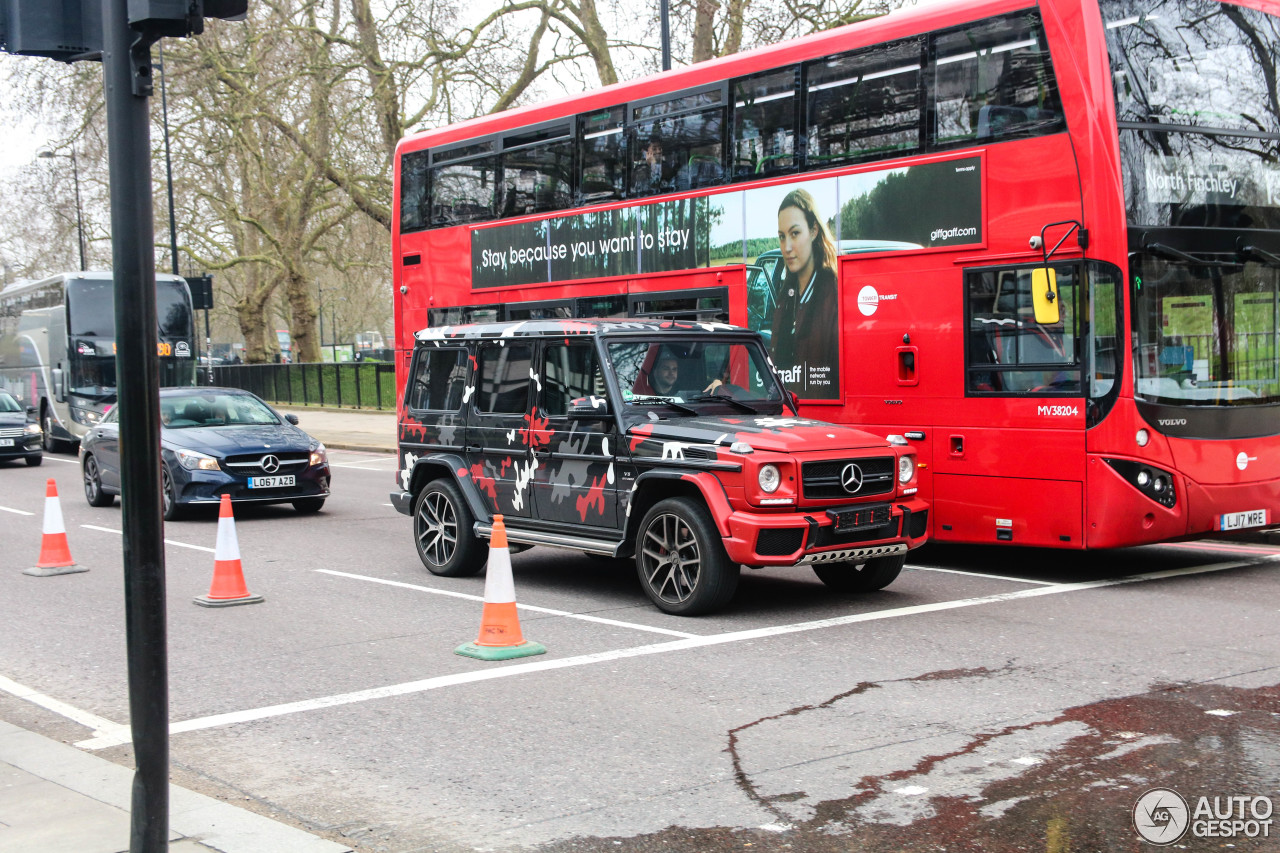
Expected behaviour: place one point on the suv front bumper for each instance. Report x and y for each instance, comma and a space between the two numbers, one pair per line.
809, 536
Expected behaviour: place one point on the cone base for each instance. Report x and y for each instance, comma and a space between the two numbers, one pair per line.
471, 650
206, 601
49, 571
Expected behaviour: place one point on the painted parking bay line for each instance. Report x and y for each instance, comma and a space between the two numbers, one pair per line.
101, 726
511, 670
531, 608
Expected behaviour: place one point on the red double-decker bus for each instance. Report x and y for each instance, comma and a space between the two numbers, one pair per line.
1040, 241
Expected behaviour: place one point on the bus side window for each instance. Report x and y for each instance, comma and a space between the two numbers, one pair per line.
764, 124
602, 155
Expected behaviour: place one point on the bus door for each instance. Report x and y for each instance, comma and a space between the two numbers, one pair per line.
499, 434
1009, 463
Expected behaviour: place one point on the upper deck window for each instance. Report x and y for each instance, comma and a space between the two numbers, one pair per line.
993, 80
864, 105
415, 200
764, 124
537, 171
1198, 64
602, 152
463, 190
677, 144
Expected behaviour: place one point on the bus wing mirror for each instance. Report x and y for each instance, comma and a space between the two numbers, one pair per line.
1044, 296
59, 385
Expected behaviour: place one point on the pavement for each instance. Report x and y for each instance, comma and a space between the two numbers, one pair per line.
55, 798
348, 429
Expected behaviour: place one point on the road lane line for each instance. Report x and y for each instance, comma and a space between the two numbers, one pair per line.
49, 458
532, 608
979, 575
15, 511
101, 726
172, 542
1222, 547
475, 676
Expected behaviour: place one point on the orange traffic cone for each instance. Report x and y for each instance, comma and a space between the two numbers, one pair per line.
228, 578
500, 637
55, 554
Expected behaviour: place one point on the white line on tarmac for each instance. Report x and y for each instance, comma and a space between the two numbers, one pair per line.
582, 616
101, 726
49, 458
172, 542
979, 575
543, 665
15, 511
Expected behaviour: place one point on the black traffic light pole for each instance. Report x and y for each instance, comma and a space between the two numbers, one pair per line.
128, 83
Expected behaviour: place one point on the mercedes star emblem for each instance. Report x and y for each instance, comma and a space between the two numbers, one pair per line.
271, 464
851, 478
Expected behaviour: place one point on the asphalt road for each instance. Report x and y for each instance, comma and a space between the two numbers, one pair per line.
993, 700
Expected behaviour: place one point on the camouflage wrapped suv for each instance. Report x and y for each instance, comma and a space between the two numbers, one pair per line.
672, 443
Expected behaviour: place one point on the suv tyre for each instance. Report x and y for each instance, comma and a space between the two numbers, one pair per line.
873, 575
442, 532
681, 561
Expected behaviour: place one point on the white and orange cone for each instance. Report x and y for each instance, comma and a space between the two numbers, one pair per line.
500, 637
228, 586
55, 553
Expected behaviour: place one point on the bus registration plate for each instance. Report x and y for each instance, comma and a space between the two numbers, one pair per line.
271, 482
859, 519
1241, 520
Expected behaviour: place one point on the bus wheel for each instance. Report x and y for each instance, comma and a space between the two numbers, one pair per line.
870, 576
442, 532
46, 423
681, 561
93, 492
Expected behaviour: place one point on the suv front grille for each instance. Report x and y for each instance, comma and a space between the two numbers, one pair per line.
12, 433
823, 479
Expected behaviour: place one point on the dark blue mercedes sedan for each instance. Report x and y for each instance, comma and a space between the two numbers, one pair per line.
215, 441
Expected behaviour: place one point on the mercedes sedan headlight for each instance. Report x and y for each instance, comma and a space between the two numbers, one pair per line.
193, 461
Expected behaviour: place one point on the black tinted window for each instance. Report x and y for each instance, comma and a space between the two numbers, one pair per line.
864, 105
415, 202
571, 373
439, 380
993, 79
504, 378
764, 118
463, 192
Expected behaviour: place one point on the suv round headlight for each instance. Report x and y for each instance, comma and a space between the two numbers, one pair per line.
906, 468
769, 478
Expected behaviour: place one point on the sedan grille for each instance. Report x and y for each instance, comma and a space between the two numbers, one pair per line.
832, 478
252, 464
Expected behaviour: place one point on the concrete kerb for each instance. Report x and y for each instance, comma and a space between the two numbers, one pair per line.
93, 795
371, 431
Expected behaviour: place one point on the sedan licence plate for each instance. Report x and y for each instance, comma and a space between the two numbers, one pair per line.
6, 442
271, 482
1241, 520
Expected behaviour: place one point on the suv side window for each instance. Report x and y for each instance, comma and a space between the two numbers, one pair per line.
439, 380
503, 381
572, 371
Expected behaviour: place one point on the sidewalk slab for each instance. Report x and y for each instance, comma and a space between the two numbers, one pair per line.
55, 798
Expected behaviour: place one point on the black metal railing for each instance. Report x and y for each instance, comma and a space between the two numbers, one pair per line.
363, 385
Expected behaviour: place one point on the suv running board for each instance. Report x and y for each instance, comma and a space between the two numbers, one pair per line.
554, 540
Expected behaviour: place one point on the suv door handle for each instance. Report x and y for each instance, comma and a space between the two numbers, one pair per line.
473, 448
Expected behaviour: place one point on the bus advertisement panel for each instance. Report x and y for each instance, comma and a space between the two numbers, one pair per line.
896, 205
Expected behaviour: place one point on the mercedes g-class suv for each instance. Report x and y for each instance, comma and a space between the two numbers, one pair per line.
673, 443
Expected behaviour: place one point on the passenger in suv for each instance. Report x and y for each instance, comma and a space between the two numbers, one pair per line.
560, 427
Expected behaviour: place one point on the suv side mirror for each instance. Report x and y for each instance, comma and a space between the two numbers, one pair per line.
589, 409
32, 411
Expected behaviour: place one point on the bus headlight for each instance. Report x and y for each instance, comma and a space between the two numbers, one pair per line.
906, 468
769, 478
194, 461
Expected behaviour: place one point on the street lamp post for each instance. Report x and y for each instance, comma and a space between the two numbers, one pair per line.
75, 175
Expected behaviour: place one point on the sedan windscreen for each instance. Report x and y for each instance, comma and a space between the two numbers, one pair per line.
214, 410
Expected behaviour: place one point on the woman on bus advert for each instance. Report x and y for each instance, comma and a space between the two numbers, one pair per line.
805, 340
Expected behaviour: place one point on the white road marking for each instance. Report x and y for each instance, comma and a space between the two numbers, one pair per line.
511, 670
49, 458
172, 542
15, 511
532, 608
101, 726
980, 575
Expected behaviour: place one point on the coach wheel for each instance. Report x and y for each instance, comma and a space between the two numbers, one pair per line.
870, 576
442, 532
681, 560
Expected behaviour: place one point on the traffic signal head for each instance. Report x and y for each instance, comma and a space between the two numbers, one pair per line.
180, 18
65, 30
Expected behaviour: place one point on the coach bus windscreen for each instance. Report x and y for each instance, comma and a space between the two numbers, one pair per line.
1207, 335
91, 327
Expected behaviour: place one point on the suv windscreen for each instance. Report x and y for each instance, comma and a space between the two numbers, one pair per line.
684, 370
